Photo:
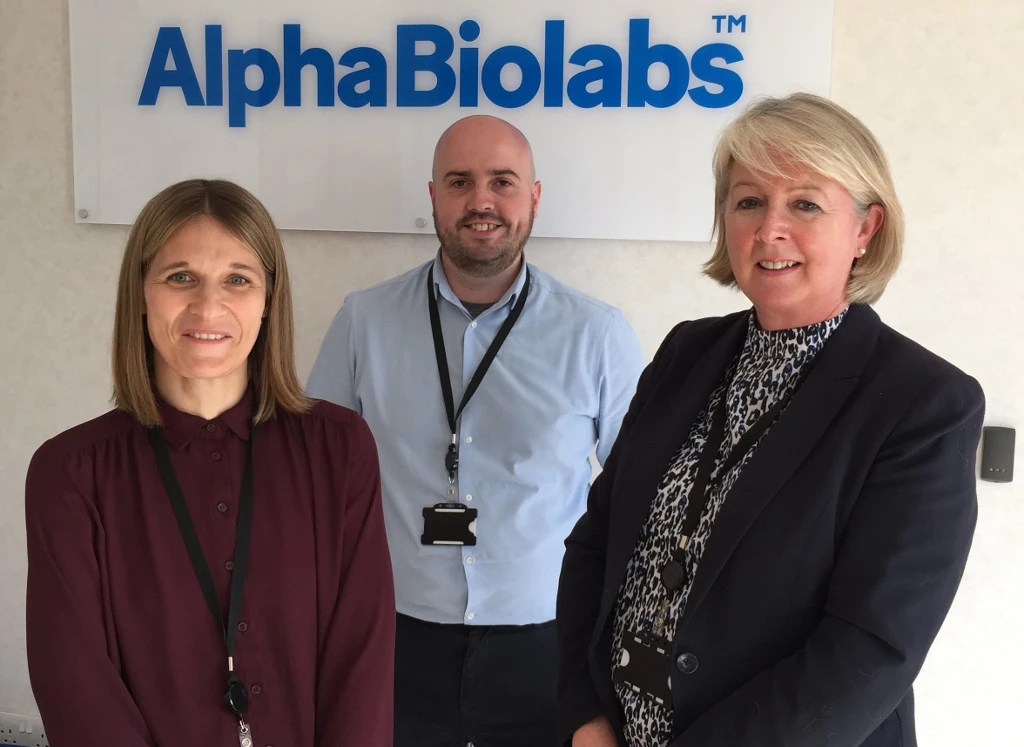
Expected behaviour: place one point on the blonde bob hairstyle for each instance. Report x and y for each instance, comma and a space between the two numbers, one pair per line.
271, 362
822, 136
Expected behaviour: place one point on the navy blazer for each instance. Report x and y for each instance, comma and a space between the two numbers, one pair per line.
831, 565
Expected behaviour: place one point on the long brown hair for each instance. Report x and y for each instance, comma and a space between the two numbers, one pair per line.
272, 360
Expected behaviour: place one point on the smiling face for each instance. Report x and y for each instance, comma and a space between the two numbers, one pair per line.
205, 295
792, 241
484, 195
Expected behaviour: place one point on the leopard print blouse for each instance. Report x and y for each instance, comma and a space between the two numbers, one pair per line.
766, 371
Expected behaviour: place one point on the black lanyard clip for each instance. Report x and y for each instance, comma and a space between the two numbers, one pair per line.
451, 462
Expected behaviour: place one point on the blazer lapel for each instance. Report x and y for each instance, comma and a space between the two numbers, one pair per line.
655, 438
788, 444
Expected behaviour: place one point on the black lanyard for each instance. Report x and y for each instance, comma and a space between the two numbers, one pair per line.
451, 459
236, 697
673, 575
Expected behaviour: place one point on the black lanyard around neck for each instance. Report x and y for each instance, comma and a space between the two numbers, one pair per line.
236, 696
673, 574
699, 492
451, 459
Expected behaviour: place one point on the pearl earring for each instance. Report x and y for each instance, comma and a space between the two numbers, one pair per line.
863, 251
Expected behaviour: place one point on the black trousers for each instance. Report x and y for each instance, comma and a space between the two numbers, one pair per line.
491, 686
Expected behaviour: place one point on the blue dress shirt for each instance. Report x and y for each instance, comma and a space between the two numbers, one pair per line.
560, 385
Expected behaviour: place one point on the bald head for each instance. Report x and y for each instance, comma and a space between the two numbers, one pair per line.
485, 196
487, 136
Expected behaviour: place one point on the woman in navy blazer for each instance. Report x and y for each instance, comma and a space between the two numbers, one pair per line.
784, 520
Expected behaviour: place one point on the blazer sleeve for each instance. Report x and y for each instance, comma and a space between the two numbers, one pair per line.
581, 583
898, 565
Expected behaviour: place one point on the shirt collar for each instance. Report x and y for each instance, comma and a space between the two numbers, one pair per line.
795, 344
443, 290
181, 427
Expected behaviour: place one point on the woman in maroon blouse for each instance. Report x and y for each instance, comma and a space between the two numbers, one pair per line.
208, 562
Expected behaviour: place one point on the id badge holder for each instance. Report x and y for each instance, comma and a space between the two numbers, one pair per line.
645, 666
449, 524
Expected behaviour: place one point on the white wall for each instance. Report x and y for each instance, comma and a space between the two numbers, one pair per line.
939, 81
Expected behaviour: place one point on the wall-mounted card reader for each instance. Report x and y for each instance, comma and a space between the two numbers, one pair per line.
997, 454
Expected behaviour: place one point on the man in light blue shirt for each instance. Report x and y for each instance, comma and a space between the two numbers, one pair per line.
476, 654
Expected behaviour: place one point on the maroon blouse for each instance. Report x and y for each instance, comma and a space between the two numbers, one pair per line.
122, 648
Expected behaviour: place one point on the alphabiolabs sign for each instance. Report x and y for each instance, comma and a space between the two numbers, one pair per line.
329, 111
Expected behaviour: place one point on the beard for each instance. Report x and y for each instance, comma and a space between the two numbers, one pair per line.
479, 259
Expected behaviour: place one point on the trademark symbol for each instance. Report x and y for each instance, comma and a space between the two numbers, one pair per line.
725, 24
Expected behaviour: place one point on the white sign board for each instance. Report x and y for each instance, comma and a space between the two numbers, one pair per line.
329, 111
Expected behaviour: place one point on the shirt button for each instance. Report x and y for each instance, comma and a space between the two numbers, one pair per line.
473, 325
687, 663
256, 689
242, 627
211, 427
470, 616
469, 439
469, 497
230, 565
215, 456
222, 507
470, 560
